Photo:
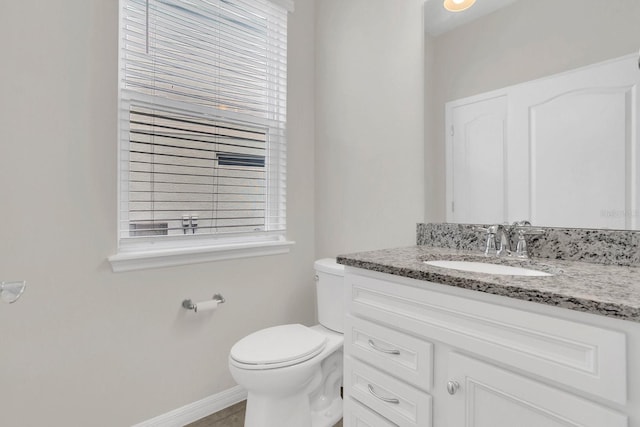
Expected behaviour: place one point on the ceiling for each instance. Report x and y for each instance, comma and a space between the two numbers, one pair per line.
437, 20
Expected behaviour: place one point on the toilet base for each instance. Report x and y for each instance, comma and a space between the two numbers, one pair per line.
263, 411
328, 417
294, 412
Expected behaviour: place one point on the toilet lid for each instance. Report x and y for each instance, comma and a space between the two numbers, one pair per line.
278, 346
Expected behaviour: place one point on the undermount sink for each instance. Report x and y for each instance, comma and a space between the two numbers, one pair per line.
484, 267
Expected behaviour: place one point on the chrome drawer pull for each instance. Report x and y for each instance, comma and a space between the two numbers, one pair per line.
384, 399
382, 350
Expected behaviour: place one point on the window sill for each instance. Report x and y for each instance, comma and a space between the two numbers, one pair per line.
140, 260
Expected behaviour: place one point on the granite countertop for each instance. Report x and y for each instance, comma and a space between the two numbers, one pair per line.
608, 290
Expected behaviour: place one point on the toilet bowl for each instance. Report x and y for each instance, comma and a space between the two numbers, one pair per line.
293, 373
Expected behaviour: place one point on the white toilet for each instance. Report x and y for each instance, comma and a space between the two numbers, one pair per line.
293, 373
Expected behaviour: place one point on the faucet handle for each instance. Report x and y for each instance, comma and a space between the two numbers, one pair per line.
504, 242
490, 245
521, 248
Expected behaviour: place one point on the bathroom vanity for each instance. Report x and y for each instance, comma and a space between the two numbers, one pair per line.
428, 346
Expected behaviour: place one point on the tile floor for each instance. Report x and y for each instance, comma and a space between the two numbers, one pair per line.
232, 416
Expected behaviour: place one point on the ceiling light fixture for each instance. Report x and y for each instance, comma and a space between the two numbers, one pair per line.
458, 5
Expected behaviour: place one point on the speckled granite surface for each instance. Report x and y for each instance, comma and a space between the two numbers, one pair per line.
615, 247
608, 290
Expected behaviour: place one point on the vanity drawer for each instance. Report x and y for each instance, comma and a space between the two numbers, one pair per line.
584, 357
393, 399
361, 416
405, 356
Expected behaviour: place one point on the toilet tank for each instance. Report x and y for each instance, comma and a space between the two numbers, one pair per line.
330, 294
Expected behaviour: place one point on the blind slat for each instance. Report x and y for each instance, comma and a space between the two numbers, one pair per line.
221, 157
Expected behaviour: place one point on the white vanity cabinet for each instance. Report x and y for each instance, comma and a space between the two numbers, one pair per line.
423, 354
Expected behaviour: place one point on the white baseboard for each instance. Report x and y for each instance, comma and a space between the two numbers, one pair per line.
196, 410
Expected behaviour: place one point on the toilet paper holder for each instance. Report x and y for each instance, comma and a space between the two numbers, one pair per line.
10, 292
190, 305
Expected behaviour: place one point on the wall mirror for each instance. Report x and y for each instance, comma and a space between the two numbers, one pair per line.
536, 113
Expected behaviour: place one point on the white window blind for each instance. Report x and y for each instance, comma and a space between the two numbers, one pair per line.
202, 121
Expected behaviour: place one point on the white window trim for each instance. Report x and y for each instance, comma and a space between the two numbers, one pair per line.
170, 257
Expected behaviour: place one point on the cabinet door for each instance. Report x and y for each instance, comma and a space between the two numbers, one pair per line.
492, 397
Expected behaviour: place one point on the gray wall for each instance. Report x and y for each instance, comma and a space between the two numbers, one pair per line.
85, 346
369, 124
525, 41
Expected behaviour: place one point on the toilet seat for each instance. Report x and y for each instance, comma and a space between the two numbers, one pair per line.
277, 347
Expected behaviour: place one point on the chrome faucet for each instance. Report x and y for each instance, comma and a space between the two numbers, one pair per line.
499, 239
491, 247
